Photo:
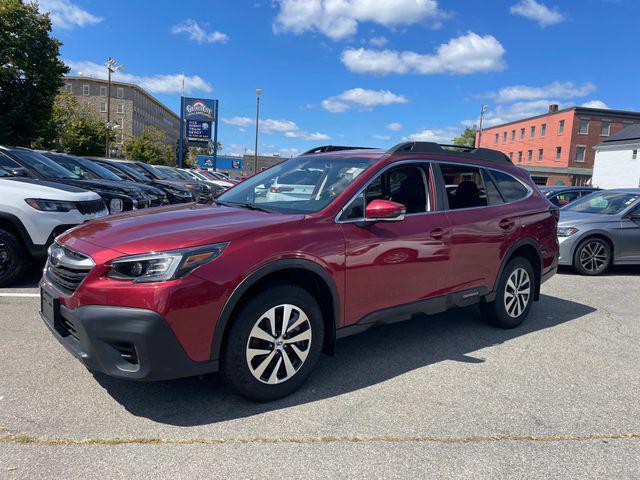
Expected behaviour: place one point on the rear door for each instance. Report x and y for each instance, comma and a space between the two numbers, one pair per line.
630, 232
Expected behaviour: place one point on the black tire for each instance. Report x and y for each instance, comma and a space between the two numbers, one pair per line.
587, 249
13, 258
234, 362
497, 312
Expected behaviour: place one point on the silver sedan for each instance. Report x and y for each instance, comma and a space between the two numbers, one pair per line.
599, 230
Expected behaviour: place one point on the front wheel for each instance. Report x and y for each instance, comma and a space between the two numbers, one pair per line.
514, 296
13, 258
592, 257
274, 343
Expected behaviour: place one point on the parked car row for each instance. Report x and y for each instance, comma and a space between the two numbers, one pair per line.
42, 194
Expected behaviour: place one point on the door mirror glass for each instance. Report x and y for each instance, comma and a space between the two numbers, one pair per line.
385, 211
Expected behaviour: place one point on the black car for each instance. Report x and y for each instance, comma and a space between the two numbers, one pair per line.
176, 193
29, 163
181, 176
88, 170
561, 196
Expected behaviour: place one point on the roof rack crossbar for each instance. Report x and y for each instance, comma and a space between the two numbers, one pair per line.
486, 154
332, 148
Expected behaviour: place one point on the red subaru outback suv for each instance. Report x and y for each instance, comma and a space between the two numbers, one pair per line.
283, 264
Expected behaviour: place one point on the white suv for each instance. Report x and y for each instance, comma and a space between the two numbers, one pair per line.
32, 213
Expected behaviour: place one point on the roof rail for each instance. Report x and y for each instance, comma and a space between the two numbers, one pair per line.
332, 148
473, 153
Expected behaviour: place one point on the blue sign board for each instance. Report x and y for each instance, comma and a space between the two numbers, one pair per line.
221, 163
198, 131
200, 109
198, 123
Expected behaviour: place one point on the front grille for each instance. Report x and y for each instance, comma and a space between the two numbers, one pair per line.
67, 269
90, 206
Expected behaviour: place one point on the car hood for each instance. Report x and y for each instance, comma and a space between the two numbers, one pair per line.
572, 219
170, 228
105, 185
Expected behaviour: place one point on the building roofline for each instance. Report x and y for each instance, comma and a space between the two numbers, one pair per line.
128, 84
579, 110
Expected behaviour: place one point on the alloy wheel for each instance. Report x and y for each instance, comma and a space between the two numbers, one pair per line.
517, 292
5, 257
278, 344
593, 256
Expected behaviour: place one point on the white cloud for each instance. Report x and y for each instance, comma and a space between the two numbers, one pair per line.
339, 19
538, 12
515, 111
167, 83
595, 104
553, 90
198, 33
65, 14
361, 98
378, 41
269, 125
466, 54
438, 135
394, 127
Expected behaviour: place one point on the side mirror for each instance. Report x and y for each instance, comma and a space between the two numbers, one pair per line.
384, 211
634, 216
18, 172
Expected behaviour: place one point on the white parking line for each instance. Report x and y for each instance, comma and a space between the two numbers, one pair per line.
19, 294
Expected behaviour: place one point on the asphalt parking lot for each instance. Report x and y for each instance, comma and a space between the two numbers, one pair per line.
439, 397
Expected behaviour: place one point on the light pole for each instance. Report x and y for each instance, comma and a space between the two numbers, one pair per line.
255, 152
482, 110
112, 67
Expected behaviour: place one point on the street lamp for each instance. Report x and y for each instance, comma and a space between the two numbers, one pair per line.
255, 152
112, 67
482, 110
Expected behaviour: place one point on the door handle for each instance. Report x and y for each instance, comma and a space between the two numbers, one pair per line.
507, 224
437, 233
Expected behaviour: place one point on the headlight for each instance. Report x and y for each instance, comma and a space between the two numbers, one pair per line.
566, 231
115, 205
50, 205
179, 193
163, 266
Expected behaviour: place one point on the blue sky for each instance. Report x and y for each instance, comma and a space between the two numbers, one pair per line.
360, 72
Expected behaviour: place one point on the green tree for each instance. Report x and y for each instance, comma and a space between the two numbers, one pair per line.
30, 71
151, 147
74, 127
467, 139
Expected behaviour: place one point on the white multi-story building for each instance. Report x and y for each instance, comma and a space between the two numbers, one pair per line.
617, 164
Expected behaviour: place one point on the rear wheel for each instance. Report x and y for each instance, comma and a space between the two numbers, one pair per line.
13, 258
514, 296
592, 257
274, 343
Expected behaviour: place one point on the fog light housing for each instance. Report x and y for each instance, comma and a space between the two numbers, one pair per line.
115, 205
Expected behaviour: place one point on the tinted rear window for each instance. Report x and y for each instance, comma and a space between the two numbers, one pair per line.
511, 189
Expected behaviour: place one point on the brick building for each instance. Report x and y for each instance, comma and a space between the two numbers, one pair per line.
558, 146
132, 108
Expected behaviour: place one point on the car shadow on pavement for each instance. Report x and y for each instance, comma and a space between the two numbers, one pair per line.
361, 361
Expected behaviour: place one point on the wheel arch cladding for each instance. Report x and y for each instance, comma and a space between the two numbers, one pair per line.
305, 273
13, 225
527, 249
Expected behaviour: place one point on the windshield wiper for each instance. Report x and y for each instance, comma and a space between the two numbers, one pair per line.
249, 206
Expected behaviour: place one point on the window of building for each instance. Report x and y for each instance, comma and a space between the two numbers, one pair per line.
68, 87
532, 132
584, 126
634, 154
511, 156
558, 153
580, 152
605, 128
543, 129
560, 127
540, 154
520, 157
103, 107
504, 137
510, 188
103, 91
465, 186
121, 121
85, 90
529, 156
120, 108
522, 134
513, 135
120, 92
495, 139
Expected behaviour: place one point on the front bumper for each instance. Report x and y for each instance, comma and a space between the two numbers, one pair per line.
129, 343
567, 247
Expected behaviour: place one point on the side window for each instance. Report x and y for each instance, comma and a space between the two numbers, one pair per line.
7, 162
406, 184
493, 194
566, 198
465, 186
510, 188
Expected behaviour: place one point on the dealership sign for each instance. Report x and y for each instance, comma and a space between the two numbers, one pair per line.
199, 117
198, 131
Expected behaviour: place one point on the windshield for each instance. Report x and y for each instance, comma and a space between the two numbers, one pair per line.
169, 174
604, 203
142, 171
44, 166
299, 185
124, 171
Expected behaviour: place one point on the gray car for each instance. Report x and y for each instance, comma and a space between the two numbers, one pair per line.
599, 230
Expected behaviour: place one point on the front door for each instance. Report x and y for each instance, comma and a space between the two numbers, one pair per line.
395, 263
630, 244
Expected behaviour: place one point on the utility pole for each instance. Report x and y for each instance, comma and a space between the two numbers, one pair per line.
180, 139
482, 110
112, 67
255, 152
